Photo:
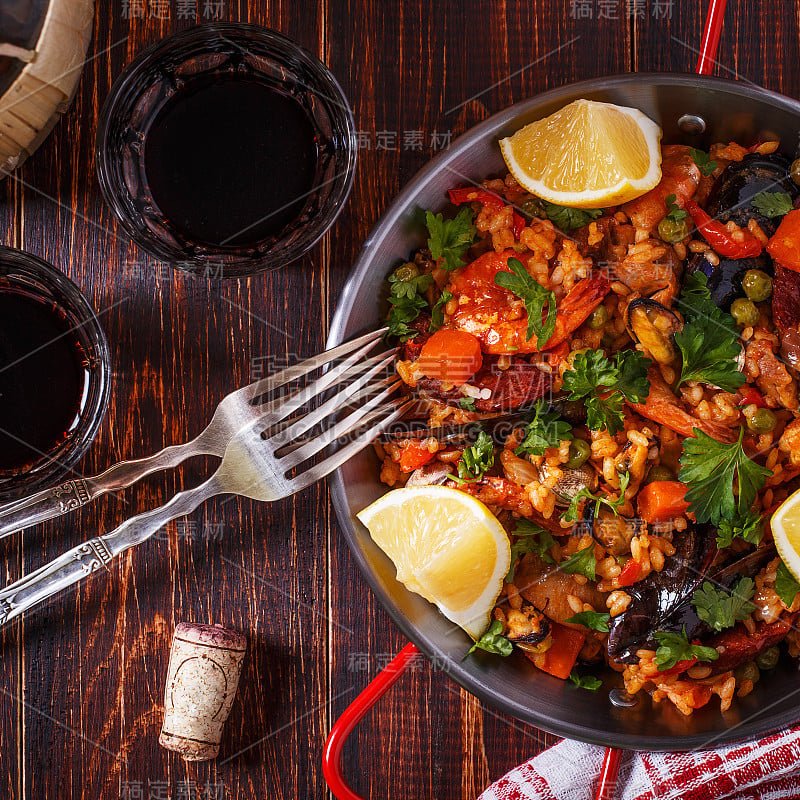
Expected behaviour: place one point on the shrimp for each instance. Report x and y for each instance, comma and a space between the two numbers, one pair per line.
651, 271
499, 494
680, 176
497, 317
662, 406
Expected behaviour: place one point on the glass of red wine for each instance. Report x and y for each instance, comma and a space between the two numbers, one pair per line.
54, 374
226, 149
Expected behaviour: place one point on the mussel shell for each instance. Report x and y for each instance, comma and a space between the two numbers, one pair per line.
640, 319
732, 194
432, 474
725, 278
571, 481
614, 532
533, 639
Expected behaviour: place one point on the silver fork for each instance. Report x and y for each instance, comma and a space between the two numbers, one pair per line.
256, 462
234, 412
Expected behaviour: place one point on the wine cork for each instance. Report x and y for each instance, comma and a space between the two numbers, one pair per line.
204, 667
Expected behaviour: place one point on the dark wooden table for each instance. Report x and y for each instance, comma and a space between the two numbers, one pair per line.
82, 681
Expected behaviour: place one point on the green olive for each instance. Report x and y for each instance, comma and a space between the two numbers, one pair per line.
672, 231
757, 285
744, 312
406, 272
579, 452
598, 318
746, 672
795, 171
763, 421
533, 207
660, 472
768, 659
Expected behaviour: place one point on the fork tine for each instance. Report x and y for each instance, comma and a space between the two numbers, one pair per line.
280, 408
292, 373
336, 460
344, 426
350, 392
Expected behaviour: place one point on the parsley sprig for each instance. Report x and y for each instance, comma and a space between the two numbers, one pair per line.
773, 204
708, 468
593, 620
675, 647
704, 161
589, 682
493, 641
571, 514
406, 301
709, 342
535, 297
674, 212
785, 585
723, 608
569, 219
531, 538
476, 459
583, 562
748, 526
606, 383
437, 313
546, 429
450, 239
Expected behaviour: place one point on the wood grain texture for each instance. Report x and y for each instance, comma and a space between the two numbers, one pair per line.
82, 682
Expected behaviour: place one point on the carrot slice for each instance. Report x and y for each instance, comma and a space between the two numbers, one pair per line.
563, 653
784, 246
451, 356
661, 501
414, 455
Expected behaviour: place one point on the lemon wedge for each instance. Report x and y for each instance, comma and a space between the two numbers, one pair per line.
587, 155
785, 524
446, 546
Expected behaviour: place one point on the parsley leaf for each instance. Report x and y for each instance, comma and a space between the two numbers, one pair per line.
748, 526
535, 297
785, 585
402, 312
674, 212
703, 160
546, 429
531, 538
467, 403
406, 282
582, 562
773, 204
476, 459
437, 314
589, 682
450, 239
675, 647
571, 514
605, 382
493, 641
708, 468
593, 620
568, 219
695, 300
723, 608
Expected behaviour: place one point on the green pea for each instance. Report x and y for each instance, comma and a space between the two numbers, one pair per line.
746, 672
768, 659
673, 231
757, 285
406, 272
660, 473
533, 207
598, 318
795, 171
763, 421
744, 312
579, 452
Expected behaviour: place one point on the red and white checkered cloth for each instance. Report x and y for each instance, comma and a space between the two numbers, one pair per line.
768, 769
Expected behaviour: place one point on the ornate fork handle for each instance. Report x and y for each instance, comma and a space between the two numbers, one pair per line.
68, 496
87, 558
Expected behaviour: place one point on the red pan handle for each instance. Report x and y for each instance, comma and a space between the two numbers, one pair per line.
711, 34
354, 713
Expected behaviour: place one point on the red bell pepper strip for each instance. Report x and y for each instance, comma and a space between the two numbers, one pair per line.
469, 194
518, 224
414, 455
784, 246
630, 573
718, 236
751, 397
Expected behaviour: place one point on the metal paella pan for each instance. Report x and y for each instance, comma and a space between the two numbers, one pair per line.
696, 111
